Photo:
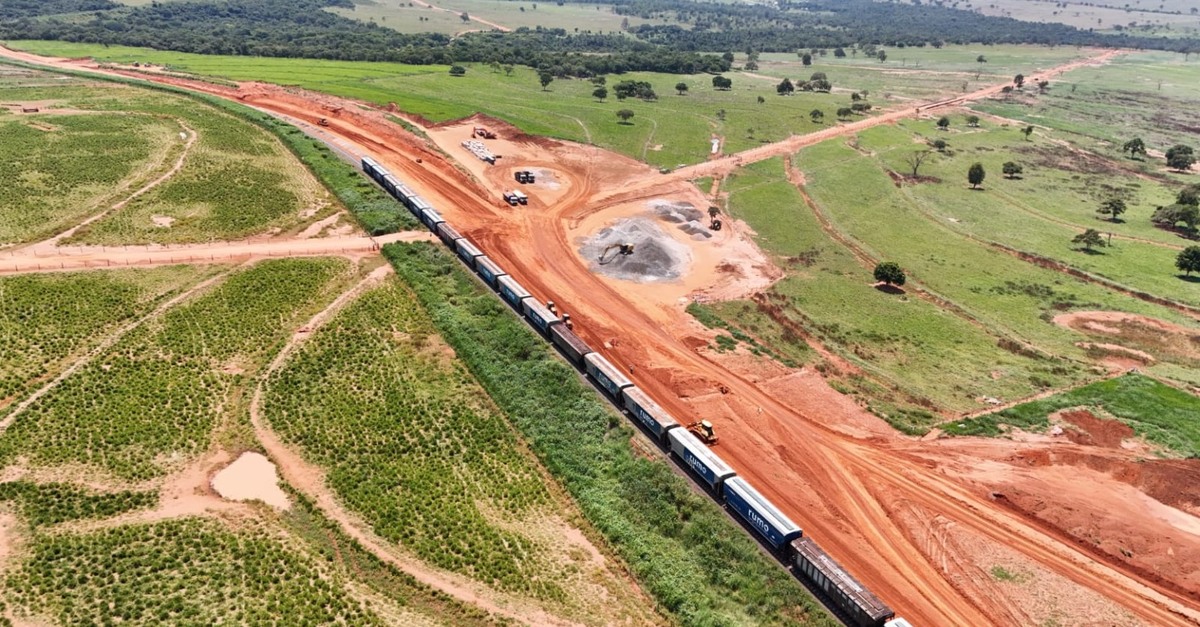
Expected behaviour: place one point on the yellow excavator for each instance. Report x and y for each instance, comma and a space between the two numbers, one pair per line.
703, 429
625, 249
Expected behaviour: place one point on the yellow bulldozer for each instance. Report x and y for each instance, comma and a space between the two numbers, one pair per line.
703, 429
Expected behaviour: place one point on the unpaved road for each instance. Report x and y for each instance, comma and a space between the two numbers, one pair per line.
883, 505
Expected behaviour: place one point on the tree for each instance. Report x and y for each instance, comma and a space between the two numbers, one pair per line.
855, 96
721, 114
817, 115
681, 88
1189, 195
1090, 239
973, 121
981, 59
722, 83
806, 59
457, 70
785, 87
464, 17
943, 123
1019, 81
1028, 130
1113, 208
508, 69
975, 175
1180, 157
839, 52
1188, 260
545, 78
844, 113
762, 100
1134, 147
713, 211
820, 84
940, 144
916, 159
599, 81
750, 65
600, 93
1012, 169
727, 57
1043, 86
625, 115
1170, 216
882, 56
890, 273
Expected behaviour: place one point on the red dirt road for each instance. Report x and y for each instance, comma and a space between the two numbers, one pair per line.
920, 523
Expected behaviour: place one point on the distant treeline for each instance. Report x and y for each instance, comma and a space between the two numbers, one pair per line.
302, 28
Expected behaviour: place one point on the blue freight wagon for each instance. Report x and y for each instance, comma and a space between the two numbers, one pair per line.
431, 218
467, 251
538, 314
695, 455
404, 194
760, 514
647, 412
860, 604
572, 345
369, 166
448, 234
512, 291
607, 375
418, 205
380, 174
488, 270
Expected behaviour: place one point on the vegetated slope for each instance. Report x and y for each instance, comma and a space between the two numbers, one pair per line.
43, 504
1160, 413
680, 546
46, 319
414, 446
151, 401
187, 571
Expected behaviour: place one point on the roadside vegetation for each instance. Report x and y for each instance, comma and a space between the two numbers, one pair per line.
1160, 413
151, 401
414, 446
679, 545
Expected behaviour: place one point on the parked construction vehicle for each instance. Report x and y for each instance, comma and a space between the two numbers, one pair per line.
625, 249
715, 225
524, 176
322, 122
482, 131
703, 429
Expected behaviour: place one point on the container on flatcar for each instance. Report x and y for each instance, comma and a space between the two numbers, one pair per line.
647, 412
760, 514
696, 456
511, 291
572, 345
488, 270
538, 314
607, 375
862, 607
448, 234
467, 251
431, 218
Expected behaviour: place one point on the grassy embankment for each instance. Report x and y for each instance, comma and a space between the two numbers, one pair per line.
680, 546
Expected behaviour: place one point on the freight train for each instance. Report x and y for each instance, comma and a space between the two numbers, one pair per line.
858, 606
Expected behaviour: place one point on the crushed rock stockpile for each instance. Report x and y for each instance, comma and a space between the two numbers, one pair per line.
688, 217
656, 256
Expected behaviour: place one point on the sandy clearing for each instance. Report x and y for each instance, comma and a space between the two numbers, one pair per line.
251, 477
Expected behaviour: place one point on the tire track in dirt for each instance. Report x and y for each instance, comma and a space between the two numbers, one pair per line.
310, 481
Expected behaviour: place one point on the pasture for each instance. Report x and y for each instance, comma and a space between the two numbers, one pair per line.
413, 445
1169, 18
174, 170
444, 16
670, 131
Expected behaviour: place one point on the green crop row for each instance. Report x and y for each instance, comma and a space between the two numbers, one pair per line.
181, 572
46, 318
152, 399
412, 444
53, 503
683, 550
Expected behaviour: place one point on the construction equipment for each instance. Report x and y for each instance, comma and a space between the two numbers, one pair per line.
322, 122
524, 176
482, 131
703, 429
715, 225
334, 109
625, 249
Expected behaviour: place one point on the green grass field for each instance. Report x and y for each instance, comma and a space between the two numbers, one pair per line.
573, 17
1171, 18
151, 401
413, 445
235, 181
1160, 413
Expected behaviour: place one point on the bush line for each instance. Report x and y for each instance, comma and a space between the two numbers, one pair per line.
683, 550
